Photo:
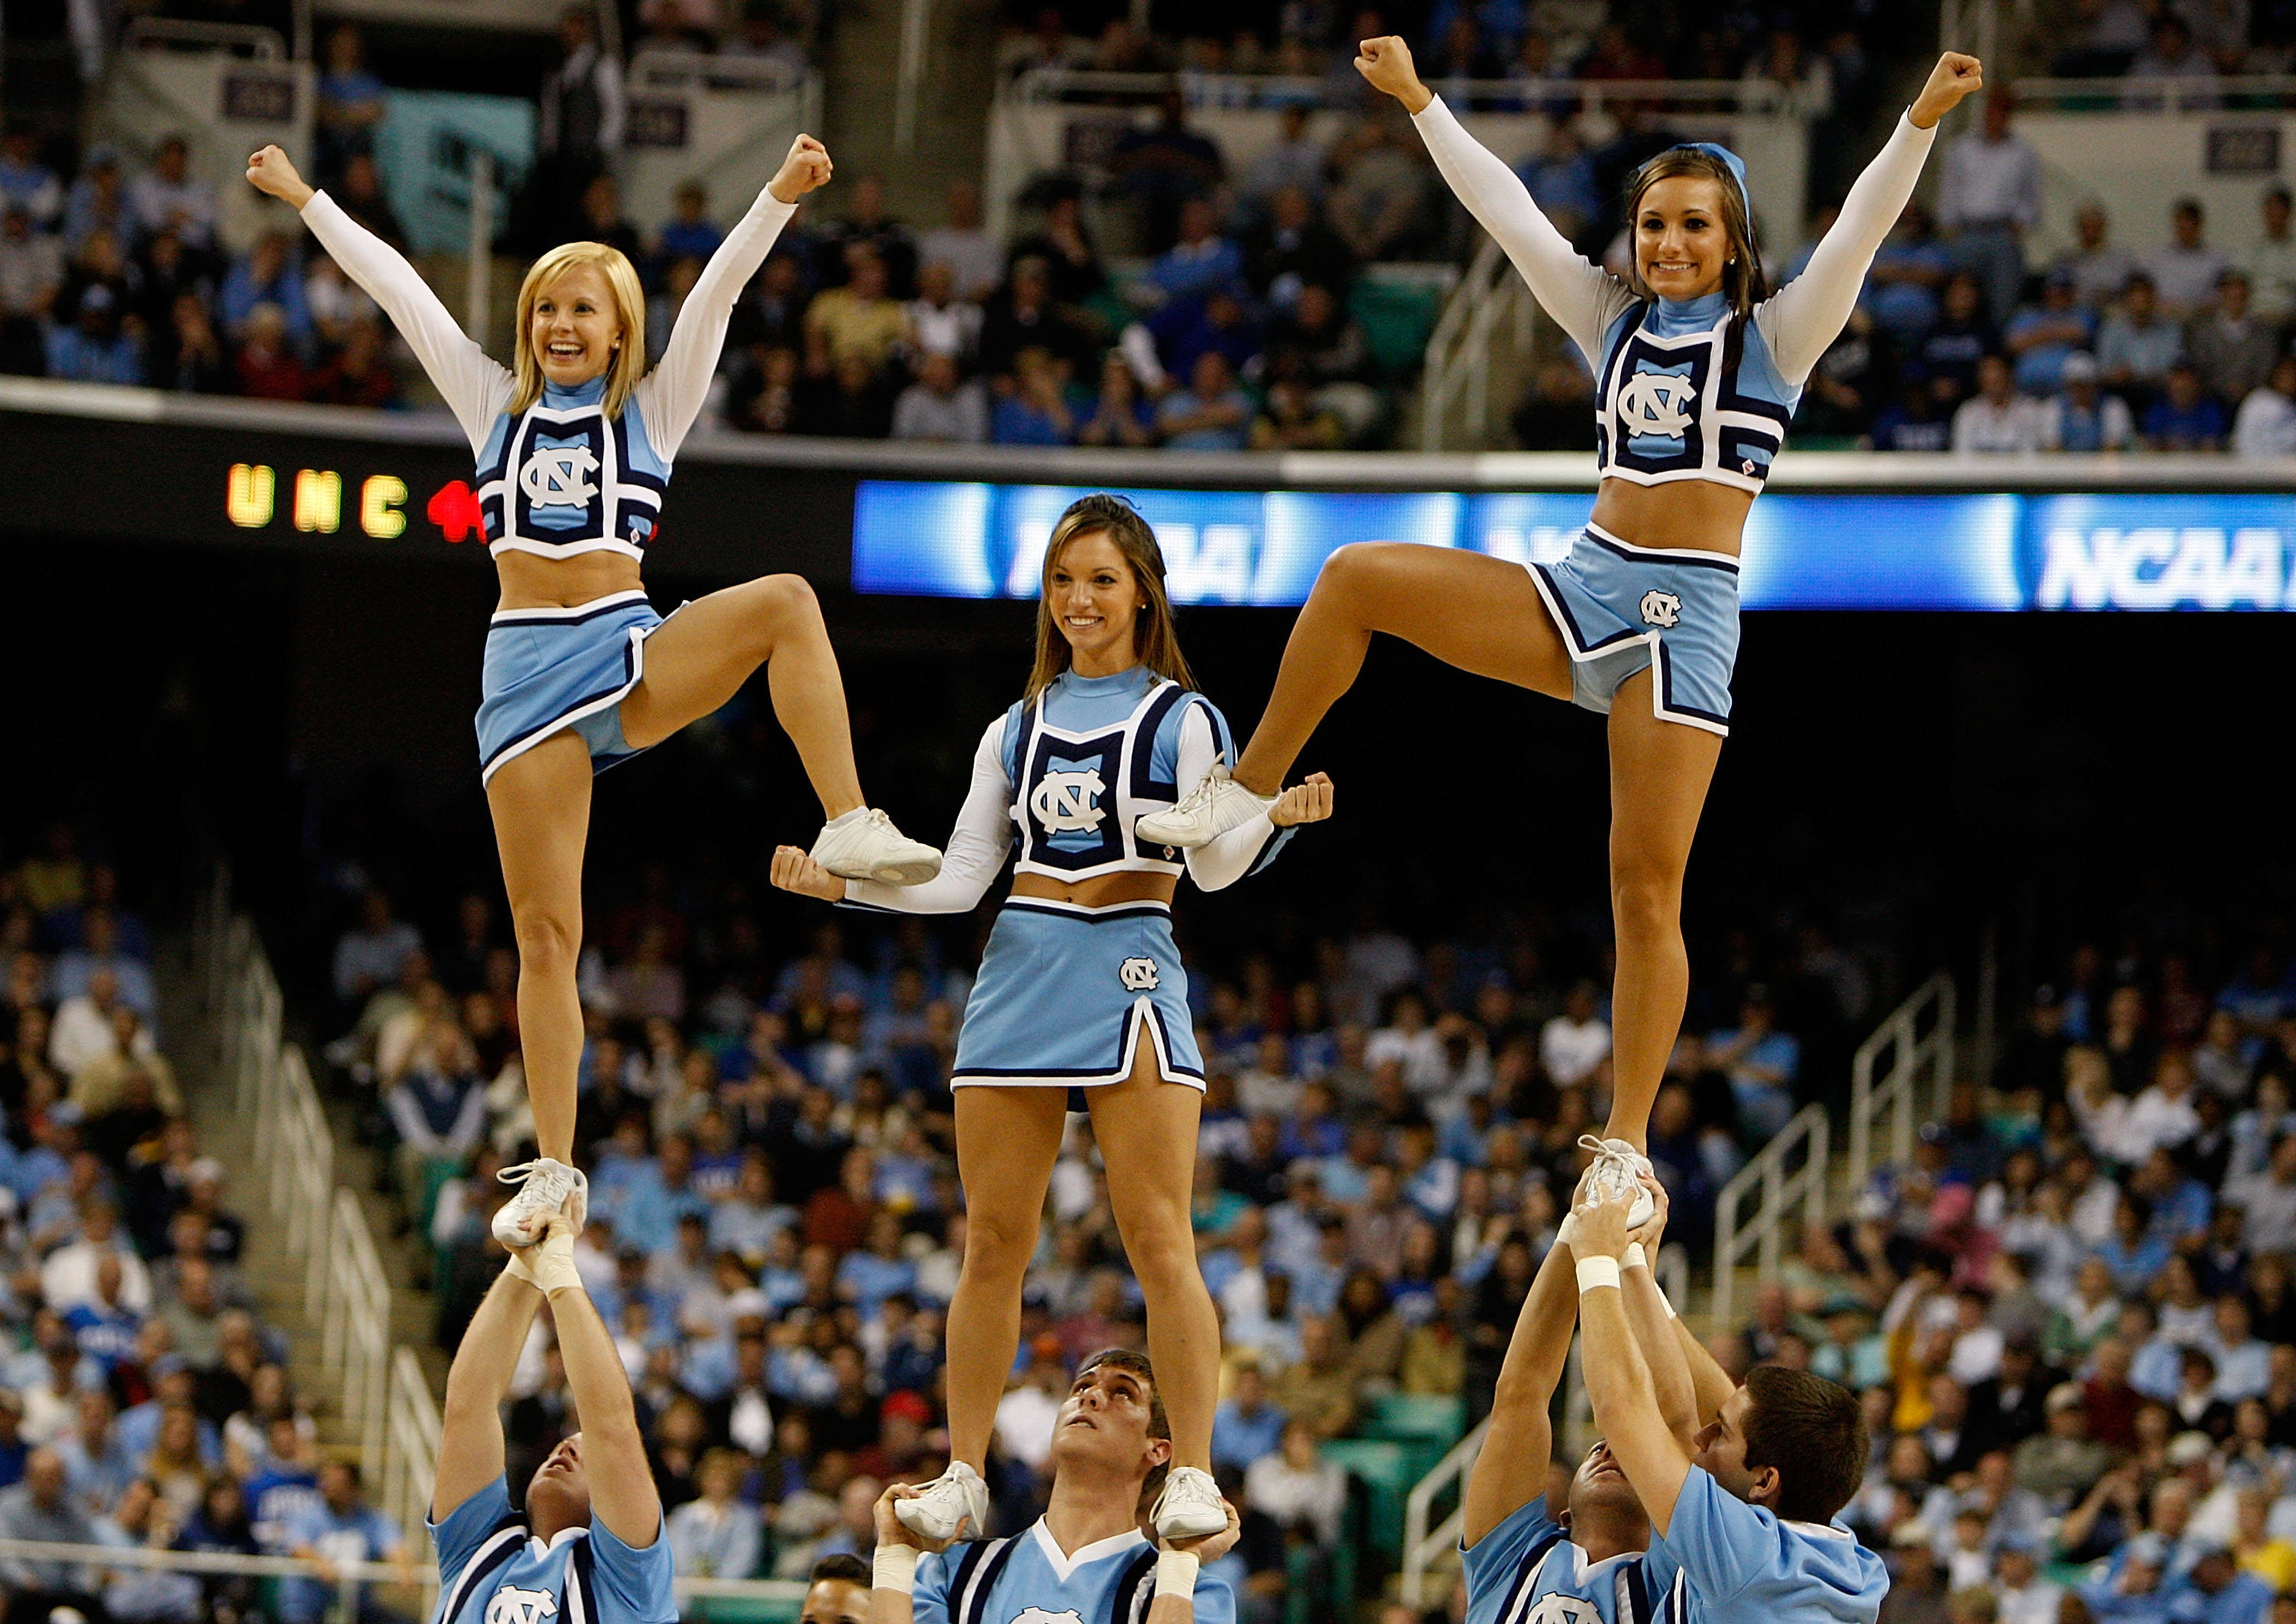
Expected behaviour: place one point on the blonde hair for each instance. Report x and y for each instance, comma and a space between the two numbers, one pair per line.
629, 365
1153, 638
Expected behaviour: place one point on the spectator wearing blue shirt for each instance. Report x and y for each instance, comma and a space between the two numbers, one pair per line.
2040, 338
267, 275
24, 179
865, 1279
350, 104
1036, 412
96, 1466
2135, 1252
1762, 1064
1246, 1425
1562, 182
690, 234
1909, 269
278, 1495
2219, 1591
13, 1448
2137, 345
173, 1384
95, 346
103, 1325
1211, 413
2183, 417
341, 1527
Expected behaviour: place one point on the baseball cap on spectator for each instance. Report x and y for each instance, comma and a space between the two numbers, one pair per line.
903, 1405
2063, 1396
2078, 367
2189, 1448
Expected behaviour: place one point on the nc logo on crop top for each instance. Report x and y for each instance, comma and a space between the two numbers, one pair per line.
512, 1605
1067, 803
557, 473
1657, 403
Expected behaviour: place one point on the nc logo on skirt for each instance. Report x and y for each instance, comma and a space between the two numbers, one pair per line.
1137, 974
1660, 608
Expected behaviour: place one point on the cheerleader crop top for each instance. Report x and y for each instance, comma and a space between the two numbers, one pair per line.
1668, 404
1067, 774
562, 477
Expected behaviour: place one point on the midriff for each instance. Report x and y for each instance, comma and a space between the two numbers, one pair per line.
1100, 891
1699, 515
531, 581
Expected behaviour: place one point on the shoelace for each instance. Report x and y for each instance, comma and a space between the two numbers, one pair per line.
523, 1172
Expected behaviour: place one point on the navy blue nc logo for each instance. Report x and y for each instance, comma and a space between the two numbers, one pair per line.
1654, 407
558, 481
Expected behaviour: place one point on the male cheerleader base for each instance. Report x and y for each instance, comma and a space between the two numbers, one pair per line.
590, 1546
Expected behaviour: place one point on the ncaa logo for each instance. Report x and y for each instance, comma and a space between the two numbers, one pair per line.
512, 1605
1660, 608
1656, 404
559, 476
1037, 1615
1560, 1609
1137, 974
1067, 803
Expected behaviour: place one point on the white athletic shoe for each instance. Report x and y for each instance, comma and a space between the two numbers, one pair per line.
949, 1506
1190, 1507
1617, 1169
544, 1186
1210, 810
863, 845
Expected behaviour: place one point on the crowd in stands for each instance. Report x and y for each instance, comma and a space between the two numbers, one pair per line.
2072, 1317
143, 1403
776, 1223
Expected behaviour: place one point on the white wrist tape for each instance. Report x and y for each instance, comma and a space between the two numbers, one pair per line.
548, 1265
1175, 1574
1567, 1229
1597, 1272
896, 1569
1635, 1257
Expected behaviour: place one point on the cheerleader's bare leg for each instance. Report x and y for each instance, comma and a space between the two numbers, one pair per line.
704, 652
1660, 772
1007, 1140
1469, 610
1146, 1131
541, 804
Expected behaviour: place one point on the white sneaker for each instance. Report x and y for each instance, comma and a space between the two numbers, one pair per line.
1616, 1170
1210, 810
952, 1504
544, 1186
863, 845
1190, 1507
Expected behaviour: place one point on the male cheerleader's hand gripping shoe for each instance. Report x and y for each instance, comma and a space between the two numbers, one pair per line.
863, 845
948, 1506
1190, 1507
548, 1265
1618, 1170
544, 1186
1210, 810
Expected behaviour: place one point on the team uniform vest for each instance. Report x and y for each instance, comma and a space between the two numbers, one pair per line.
1026, 1579
1526, 1571
1669, 403
561, 479
1077, 793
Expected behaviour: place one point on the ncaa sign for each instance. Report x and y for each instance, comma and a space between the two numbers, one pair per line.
2159, 552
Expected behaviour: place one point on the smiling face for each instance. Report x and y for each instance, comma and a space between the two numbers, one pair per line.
576, 326
1095, 599
1682, 240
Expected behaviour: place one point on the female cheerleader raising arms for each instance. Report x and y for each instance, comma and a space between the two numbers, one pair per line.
1698, 367
1081, 989
574, 445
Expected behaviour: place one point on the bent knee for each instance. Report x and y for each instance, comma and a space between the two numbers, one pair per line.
1357, 566
787, 600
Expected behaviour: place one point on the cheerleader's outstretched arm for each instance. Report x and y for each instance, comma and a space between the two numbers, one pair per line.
475, 386
673, 393
1803, 319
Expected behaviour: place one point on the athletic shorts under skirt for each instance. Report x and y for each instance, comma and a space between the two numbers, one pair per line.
549, 670
1620, 608
1066, 995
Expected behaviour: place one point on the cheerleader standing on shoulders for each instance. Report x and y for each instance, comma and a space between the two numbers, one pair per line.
1082, 1003
574, 445
1698, 366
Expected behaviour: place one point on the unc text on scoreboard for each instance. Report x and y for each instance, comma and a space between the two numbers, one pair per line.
1911, 551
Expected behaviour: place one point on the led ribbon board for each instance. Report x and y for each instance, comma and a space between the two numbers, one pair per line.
1804, 550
